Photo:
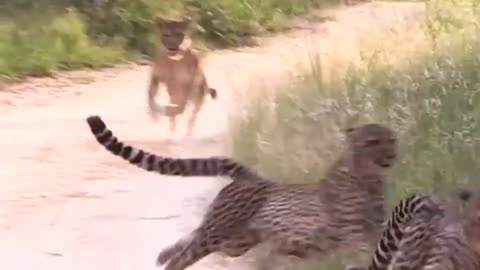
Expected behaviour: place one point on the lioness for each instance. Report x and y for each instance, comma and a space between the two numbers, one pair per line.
178, 67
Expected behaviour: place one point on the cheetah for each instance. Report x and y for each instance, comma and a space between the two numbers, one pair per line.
297, 220
416, 239
178, 67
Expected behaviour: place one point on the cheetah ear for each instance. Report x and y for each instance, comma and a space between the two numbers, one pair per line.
464, 195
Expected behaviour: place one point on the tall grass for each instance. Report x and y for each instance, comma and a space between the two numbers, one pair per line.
232, 22
425, 83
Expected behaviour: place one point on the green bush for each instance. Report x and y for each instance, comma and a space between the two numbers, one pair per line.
40, 49
232, 22
223, 22
428, 90
78, 33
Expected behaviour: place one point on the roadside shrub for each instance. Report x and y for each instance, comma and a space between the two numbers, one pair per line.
107, 31
61, 43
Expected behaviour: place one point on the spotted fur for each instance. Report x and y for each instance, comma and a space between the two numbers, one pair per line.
302, 220
406, 210
432, 240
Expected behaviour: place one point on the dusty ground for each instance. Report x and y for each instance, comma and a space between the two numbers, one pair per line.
67, 204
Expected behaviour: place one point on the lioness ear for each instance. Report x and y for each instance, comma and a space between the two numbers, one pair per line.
159, 21
186, 21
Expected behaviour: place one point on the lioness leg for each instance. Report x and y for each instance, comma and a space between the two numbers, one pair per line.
172, 112
173, 123
152, 93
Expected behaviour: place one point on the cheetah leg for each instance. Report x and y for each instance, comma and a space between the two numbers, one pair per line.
197, 105
294, 245
167, 253
239, 244
275, 260
195, 250
196, 245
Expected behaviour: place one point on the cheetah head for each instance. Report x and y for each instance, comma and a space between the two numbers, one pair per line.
373, 148
471, 200
172, 32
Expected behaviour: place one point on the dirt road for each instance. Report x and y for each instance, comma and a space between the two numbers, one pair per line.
68, 204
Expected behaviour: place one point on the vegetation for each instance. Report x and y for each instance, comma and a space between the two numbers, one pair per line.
42, 36
59, 44
424, 82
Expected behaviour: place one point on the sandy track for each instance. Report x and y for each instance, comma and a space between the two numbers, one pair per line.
67, 204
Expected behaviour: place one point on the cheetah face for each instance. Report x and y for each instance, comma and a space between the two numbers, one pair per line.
471, 198
172, 32
375, 145
472, 225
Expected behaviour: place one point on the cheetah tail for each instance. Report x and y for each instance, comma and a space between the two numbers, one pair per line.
212, 166
404, 211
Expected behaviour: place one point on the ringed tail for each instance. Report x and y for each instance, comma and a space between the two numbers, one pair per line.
211, 166
403, 212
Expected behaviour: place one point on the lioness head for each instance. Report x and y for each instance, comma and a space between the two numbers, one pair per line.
172, 32
373, 148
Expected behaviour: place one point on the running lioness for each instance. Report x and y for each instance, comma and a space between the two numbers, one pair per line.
178, 68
